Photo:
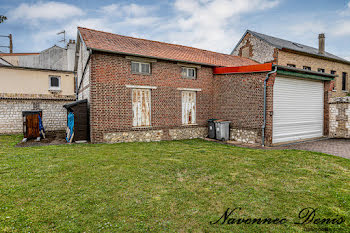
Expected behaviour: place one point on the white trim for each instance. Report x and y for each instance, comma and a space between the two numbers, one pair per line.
140, 87
59, 83
141, 59
189, 89
189, 65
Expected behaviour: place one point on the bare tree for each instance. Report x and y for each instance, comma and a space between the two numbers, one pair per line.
2, 18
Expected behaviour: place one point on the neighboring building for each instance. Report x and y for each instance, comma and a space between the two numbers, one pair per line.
142, 90
36, 81
263, 48
54, 58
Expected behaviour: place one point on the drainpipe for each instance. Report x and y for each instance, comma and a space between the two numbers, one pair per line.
265, 90
82, 76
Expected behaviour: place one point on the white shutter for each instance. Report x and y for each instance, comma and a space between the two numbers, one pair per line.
188, 107
297, 109
141, 107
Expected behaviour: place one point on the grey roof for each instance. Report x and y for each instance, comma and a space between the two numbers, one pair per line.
281, 43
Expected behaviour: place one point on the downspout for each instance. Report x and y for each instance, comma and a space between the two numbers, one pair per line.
82, 76
265, 93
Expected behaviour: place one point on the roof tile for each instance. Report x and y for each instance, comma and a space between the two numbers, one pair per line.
99, 40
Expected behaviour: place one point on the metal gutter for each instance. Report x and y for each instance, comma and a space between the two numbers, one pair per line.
265, 97
308, 72
301, 75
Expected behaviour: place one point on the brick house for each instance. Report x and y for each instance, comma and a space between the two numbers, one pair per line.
264, 48
142, 90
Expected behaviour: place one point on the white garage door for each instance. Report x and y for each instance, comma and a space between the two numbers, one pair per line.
297, 109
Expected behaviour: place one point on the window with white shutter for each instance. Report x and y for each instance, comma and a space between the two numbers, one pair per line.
188, 107
141, 107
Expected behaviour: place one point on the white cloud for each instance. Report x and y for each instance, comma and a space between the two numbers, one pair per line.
310, 27
206, 24
44, 10
209, 23
342, 28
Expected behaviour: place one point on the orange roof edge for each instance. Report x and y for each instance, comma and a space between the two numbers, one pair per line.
18, 54
243, 69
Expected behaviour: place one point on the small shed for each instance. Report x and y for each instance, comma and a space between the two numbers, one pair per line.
81, 126
31, 124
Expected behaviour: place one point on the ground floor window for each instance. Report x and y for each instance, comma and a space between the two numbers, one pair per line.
188, 107
141, 107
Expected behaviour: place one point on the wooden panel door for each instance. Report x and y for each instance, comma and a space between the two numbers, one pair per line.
32, 125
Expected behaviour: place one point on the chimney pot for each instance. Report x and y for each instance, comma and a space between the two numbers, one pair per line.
321, 43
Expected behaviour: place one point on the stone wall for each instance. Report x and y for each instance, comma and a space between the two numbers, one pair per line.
155, 135
339, 118
11, 120
188, 133
246, 135
255, 49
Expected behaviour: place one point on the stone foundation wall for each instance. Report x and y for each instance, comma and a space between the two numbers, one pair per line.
155, 135
339, 117
11, 120
245, 135
188, 133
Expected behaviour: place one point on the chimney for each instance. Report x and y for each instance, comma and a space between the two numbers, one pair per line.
321, 43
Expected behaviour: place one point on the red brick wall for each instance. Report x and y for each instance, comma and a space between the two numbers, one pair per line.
240, 99
111, 107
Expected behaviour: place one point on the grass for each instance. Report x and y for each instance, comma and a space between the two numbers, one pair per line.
175, 186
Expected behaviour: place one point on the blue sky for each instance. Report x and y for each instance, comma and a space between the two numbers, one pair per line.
215, 25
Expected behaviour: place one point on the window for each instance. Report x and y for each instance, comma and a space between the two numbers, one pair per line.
188, 107
141, 107
291, 65
320, 70
306, 67
344, 81
187, 72
333, 72
54, 83
140, 68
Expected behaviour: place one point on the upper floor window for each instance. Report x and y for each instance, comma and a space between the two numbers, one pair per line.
306, 67
320, 70
187, 72
333, 72
291, 65
344, 81
140, 67
55, 83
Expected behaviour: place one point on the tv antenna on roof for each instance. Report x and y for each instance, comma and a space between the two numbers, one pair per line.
64, 36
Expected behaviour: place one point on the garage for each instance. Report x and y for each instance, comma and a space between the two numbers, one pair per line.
298, 109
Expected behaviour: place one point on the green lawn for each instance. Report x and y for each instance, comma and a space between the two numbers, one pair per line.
176, 186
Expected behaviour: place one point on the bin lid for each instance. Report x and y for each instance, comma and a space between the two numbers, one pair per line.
222, 121
211, 120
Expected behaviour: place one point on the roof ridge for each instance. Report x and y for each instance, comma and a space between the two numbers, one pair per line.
161, 42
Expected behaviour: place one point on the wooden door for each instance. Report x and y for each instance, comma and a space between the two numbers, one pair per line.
32, 125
